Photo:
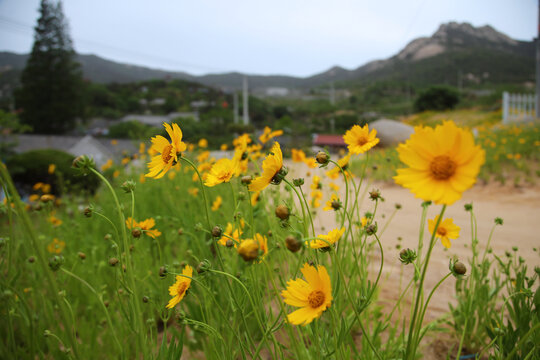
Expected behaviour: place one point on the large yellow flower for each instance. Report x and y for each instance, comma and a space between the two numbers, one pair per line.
327, 240
168, 151
271, 166
312, 296
447, 230
443, 163
222, 171
178, 289
360, 139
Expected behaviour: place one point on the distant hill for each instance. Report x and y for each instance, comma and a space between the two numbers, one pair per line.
454, 50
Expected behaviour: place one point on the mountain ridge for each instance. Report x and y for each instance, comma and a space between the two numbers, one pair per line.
450, 38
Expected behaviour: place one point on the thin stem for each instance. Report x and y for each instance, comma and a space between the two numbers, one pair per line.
419, 292
202, 188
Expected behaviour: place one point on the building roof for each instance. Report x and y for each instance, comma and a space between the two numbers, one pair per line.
328, 140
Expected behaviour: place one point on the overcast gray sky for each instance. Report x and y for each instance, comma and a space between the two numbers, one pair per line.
292, 37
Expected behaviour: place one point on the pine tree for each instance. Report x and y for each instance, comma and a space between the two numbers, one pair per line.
51, 93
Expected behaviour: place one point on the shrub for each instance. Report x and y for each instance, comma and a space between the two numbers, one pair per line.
436, 98
32, 166
132, 129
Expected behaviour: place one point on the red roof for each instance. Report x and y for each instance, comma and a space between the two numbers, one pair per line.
330, 140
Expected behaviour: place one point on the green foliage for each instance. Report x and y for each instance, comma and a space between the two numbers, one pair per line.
9, 124
31, 167
436, 98
50, 96
132, 129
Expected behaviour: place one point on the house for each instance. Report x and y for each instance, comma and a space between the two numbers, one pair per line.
332, 142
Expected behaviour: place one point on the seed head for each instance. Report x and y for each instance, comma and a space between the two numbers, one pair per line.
88, 211
293, 244
203, 266
217, 231
282, 212
468, 207
459, 268
55, 262
136, 232
246, 180
163, 271
375, 194
371, 229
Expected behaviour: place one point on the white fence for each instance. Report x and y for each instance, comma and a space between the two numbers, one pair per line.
518, 107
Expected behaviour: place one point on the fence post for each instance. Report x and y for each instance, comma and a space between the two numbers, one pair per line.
505, 107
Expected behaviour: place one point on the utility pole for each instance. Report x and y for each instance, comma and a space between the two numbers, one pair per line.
245, 103
235, 107
538, 66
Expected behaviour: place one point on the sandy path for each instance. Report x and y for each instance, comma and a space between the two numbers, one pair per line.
518, 207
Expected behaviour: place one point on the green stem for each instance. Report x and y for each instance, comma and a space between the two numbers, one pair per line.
101, 303
68, 325
137, 314
301, 204
408, 354
202, 188
308, 211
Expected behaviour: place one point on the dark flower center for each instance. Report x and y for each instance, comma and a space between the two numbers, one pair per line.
166, 154
442, 167
316, 298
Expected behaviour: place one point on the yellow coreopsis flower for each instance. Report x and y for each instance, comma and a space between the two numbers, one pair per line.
202, 157
263, 244
311, 162
203, 143
223, 147
313, 296
230, 234
316, 197
222, 171
298, 155
268, 135
168, 151
343, 163
54, 220
360, 139
179, 288
107, 165
442, 162
271, 166
56, 246
333, 203
447, 230
248, 249
217, 203
316, 184
325, 241
51, 169
145, 226
193, 191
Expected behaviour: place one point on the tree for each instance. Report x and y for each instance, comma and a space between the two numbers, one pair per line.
437, 97
51, 93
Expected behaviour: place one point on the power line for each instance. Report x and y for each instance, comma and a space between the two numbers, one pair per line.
22, 28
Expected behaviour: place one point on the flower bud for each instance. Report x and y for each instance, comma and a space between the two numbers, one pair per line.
398, 206
180, 231
55, 262
248, 250
83, 163
31, 259
468, 207
203, 266
246, 180
375, 194
217, 231
298, 182
371, 229
322, 158
460, 268
128, 186
282, 212
163, 271
335, 204
229, 243
113, 261
82, 255
407, 256
145, 299
108, 237
88, 211
293, 244
498, 221
136, 232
